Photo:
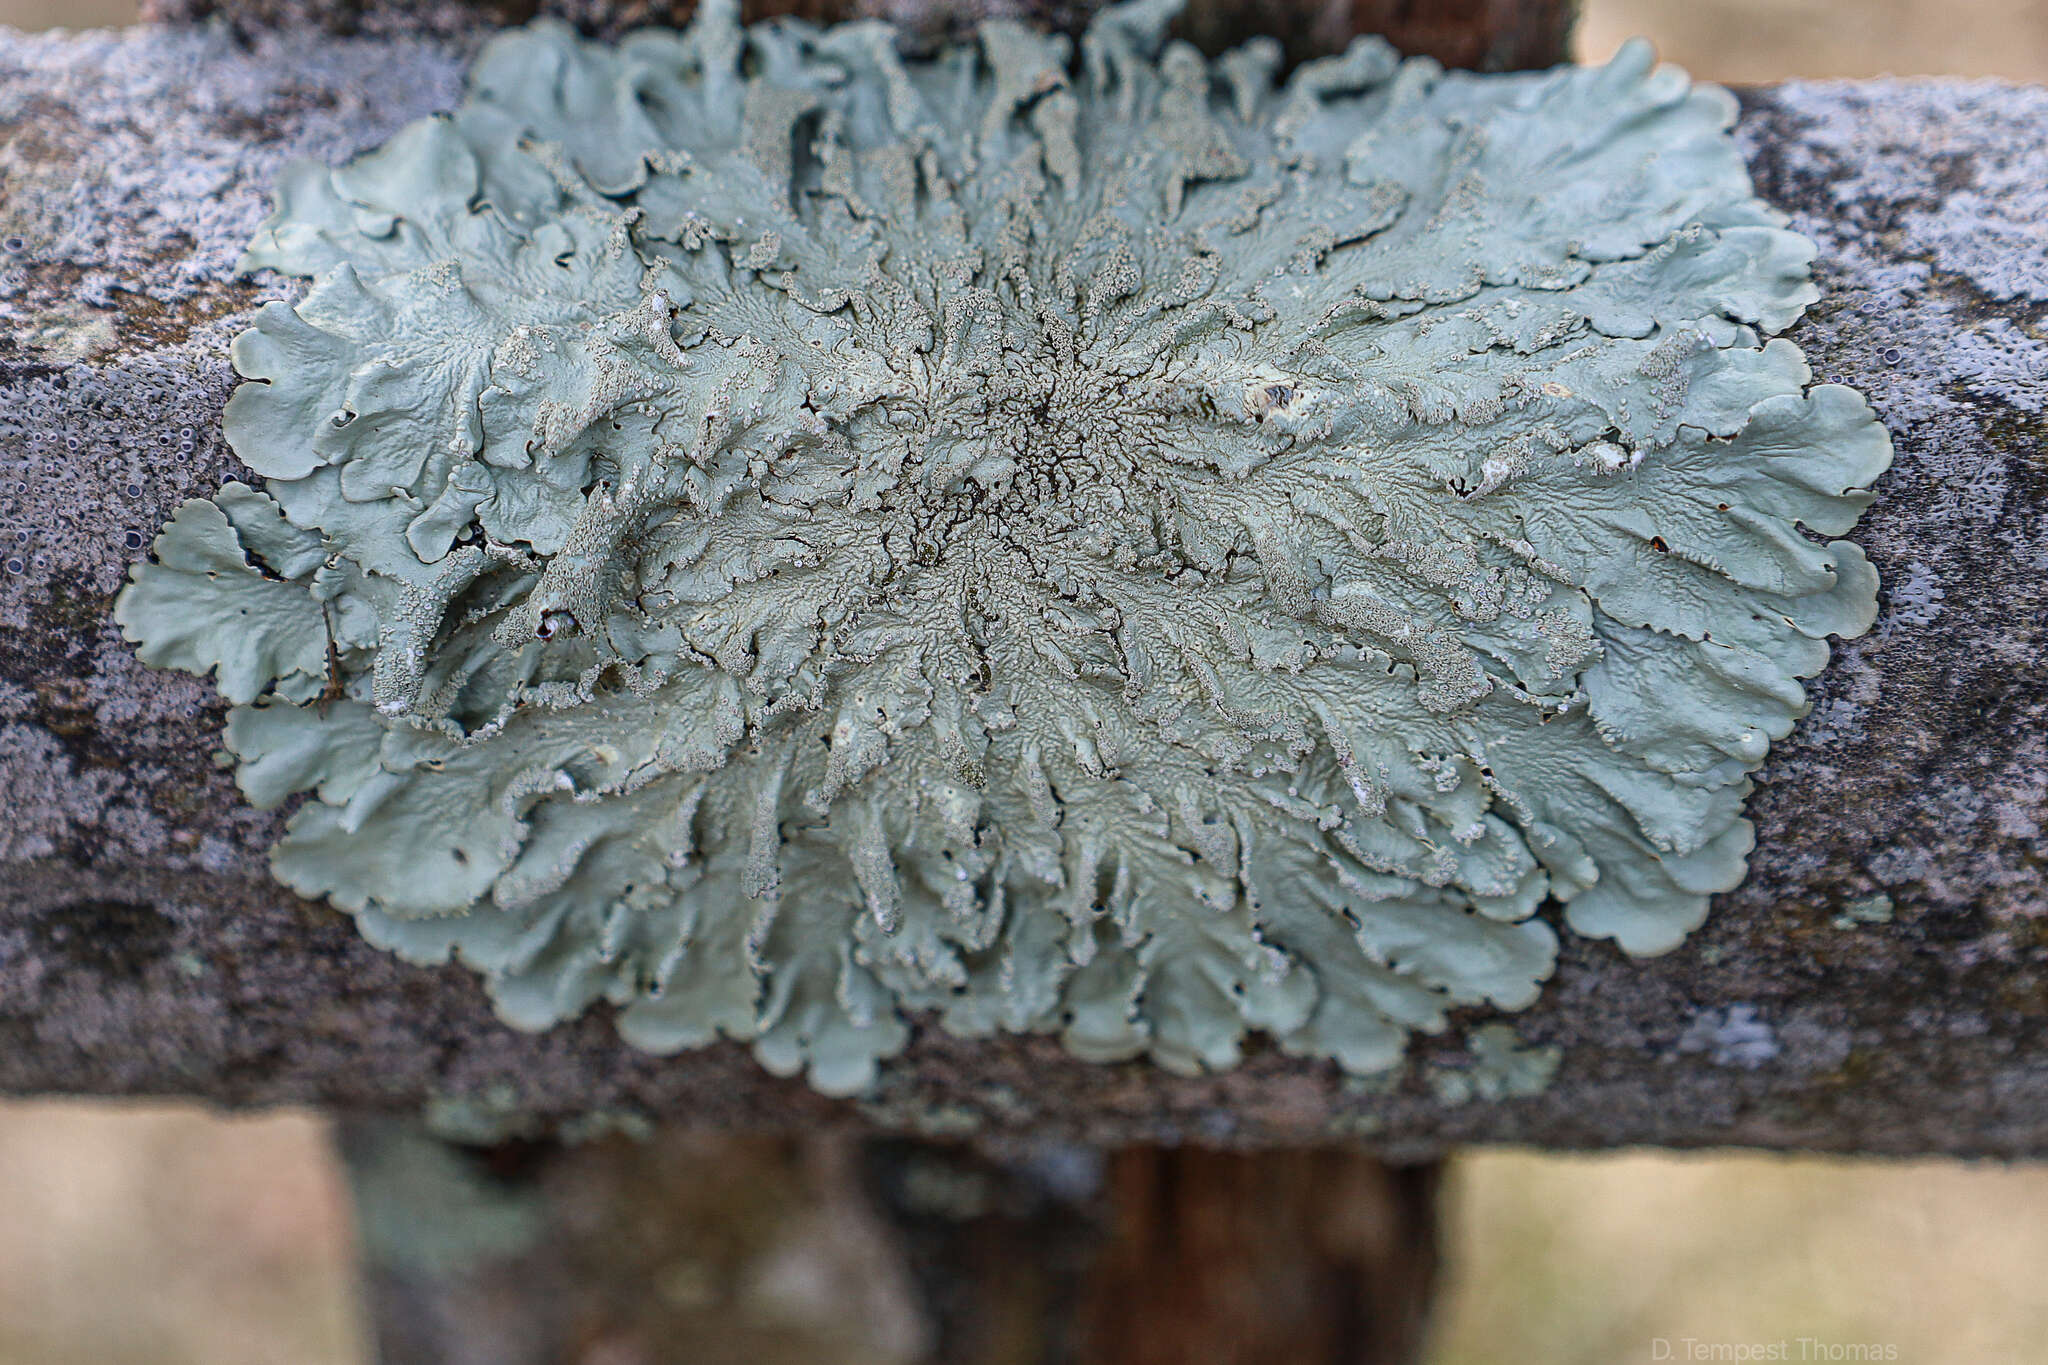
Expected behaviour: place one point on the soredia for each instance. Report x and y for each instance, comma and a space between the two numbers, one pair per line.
779, 537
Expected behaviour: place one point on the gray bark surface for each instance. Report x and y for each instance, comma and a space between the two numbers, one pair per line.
1876, 985
1490, 35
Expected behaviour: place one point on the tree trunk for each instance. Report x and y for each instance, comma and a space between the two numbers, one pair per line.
1317, 1257
756, 1251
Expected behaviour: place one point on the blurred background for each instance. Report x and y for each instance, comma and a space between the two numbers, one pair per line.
163, 1235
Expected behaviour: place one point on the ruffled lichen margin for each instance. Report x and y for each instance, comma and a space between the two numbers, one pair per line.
777, 536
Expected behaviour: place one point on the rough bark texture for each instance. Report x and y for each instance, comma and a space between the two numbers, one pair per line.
623, 1252
1490, 35
1876, 985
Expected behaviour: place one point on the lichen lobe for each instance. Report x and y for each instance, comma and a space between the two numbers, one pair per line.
776, 536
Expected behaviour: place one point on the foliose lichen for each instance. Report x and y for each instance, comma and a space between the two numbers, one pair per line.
1502, 1067
778, 536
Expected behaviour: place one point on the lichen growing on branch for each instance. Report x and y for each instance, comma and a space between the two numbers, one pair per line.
778, 536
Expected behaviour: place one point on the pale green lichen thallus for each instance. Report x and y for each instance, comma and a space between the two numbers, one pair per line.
783, 537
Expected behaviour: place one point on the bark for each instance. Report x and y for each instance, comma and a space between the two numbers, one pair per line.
1489, 35
766, 1250
1875, 985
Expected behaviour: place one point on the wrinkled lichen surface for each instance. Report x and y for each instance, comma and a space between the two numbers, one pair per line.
775, 536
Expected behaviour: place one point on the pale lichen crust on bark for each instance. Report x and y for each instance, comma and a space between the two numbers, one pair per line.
778, 536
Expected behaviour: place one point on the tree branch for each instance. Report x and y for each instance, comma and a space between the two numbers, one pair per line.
1489, 35
1877, 984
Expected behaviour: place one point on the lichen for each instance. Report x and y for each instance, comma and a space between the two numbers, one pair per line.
1735, 1036
1864, 910
778, 536
1502, 1067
